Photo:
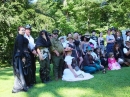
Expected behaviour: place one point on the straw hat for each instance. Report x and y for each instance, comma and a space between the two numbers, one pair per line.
70, 37
67, 49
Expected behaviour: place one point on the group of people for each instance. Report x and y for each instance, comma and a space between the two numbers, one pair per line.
74, 57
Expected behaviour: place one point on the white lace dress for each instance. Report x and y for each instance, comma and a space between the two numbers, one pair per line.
68, 75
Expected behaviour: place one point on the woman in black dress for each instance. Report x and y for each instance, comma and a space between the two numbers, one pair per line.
21, 63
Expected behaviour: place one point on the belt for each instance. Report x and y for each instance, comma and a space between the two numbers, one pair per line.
55, 53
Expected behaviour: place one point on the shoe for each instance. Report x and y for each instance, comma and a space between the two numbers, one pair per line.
22, 90
44, 81
104, 71
48, 80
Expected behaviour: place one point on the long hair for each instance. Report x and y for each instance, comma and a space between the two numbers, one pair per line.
115, 45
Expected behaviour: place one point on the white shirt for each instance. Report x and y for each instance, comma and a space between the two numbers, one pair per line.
94, 55
94, 42
125, 50
127, 38
31, 44
68, 60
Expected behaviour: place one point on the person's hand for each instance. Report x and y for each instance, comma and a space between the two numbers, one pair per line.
75, 75
57, 53
34, 52
24, 60
40, 57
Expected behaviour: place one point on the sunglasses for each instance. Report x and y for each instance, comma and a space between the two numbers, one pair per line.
89, 50
55, 33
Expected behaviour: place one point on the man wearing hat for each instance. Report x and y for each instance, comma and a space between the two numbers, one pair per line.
31, 47
126, 51
57, 51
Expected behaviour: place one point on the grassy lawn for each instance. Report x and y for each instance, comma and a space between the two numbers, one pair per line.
111, 84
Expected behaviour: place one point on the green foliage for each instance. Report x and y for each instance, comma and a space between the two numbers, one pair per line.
65, 15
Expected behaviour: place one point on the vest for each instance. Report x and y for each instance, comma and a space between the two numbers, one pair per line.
125, 54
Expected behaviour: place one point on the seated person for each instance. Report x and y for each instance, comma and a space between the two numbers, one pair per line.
118, 54
112, 63
101, 56
72, 72
126, 51
97, 60
88, 62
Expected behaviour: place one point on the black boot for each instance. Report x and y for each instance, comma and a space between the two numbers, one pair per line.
42, 75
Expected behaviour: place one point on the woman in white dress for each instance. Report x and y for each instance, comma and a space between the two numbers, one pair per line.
73, 73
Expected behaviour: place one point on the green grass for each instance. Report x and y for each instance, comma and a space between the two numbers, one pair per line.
112, 84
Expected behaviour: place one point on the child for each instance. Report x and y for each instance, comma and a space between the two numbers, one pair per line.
112, 64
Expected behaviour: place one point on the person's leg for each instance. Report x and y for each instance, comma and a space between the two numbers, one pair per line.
80, 61
60, 69
42, 71
55, 61
89, 69
48, 69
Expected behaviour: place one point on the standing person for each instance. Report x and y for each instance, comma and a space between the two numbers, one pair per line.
57, 52
33, 54
21, 62
119, 40
113, 30
78, 47
85, 43
94, 37
43, 45
110, 42
101, 42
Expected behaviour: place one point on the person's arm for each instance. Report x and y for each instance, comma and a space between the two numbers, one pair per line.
82, 48
126, 52
109, 41
99, 41
39, 54
72, 70
53, 48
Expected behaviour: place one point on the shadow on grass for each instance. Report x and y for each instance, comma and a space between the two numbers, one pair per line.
111, 84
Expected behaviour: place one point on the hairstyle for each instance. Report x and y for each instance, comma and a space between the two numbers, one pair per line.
20, 27
46, 34
110, 54
115, 45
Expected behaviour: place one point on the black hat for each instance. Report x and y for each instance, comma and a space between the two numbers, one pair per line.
93, 31
113, 28
55, 31
127, 32
28, 26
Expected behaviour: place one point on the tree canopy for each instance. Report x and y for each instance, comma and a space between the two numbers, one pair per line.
65, 15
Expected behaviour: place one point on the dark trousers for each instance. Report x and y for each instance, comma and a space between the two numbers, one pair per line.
57, 65
33, 67
44, 69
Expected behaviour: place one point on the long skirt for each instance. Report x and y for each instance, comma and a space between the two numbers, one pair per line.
22, 73
109, 48
68, 75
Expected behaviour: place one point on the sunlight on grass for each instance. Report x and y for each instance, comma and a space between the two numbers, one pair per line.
75, 92
111, 84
